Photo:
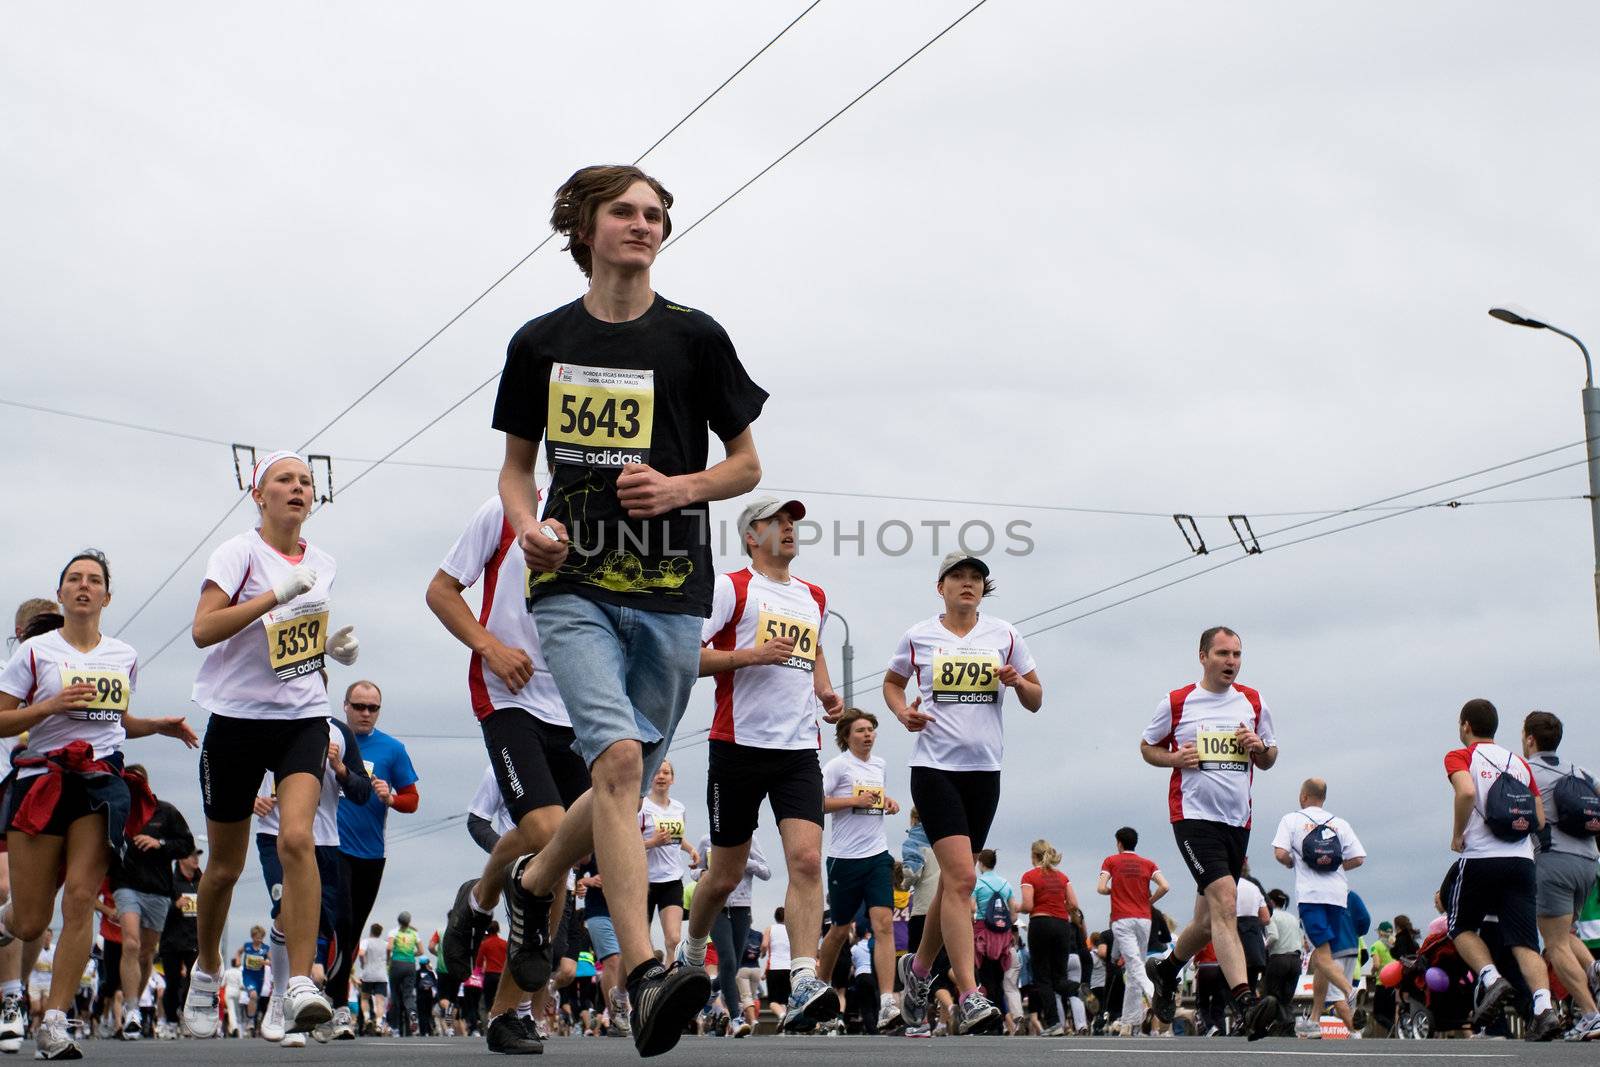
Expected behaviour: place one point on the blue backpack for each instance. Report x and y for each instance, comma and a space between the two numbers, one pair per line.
1321, 849
1577, 804
1508, 808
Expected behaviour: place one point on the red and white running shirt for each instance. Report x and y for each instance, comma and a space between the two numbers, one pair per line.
488, 546
772, 705
959, 680
1486, 761
1218, 790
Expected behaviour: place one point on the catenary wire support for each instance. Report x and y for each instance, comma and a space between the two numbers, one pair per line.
241, 451
1187, 526
1246, 536
326, 462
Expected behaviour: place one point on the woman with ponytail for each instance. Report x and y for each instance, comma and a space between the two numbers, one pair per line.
1048, 897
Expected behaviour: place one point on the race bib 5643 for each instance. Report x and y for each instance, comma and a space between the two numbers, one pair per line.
600, 417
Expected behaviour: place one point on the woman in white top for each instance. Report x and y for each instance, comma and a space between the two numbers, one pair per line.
67, 806
263, 614
962, 662
661, 821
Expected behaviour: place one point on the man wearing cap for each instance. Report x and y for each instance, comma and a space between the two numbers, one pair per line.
763, 644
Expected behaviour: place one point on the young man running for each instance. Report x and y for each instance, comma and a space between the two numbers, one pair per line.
1320, 888
625, 387
1494, 831
1213, 735
526, 731
764, 645
1565, 866
860, 867
1126, 877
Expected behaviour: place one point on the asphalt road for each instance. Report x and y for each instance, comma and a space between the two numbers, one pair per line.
853, 1051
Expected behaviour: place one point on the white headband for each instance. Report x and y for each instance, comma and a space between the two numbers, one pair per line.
261, 467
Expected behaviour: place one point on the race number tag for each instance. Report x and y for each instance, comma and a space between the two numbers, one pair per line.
966, 676
111, 693
773, 621
673, 827
600, 417
868, 789
1220, 751
188, 905
297, 636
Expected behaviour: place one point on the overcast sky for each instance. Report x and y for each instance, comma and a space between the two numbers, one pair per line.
1204, 258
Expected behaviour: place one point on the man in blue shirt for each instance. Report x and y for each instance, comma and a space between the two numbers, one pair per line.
361, 834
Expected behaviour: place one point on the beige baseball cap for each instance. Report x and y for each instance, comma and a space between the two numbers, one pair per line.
764, 507
952, 560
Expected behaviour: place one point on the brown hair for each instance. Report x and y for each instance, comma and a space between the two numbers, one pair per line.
848, 718
1481, 717
1544, 728
1209, 635
580, 196
351, 688
988, 859
29, 610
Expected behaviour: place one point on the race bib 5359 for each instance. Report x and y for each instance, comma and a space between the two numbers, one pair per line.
600, 417
297, 636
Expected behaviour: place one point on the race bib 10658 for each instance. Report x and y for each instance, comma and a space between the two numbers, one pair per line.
1220, 751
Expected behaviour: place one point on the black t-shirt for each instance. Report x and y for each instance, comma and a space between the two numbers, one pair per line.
605, 394
594, 898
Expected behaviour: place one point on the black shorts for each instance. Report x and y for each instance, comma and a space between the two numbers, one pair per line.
778, 987
739, 778
663, 895
237, 752
852, 883
1211, 850
1502, 886
74, 803
956, 803
534, 761
565, 944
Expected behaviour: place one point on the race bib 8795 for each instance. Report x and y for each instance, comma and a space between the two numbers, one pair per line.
600, 417
966, 676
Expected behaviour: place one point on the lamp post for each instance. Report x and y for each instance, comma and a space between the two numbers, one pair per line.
1517, 316
849, 659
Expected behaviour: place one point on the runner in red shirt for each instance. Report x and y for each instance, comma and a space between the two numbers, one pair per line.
1048, 896
1126, 878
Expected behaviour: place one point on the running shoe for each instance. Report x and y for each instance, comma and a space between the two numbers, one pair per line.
1259, 1016
975, 1015
920, 1030
1058, 1030
200, 1016
52, 1040
323, 1032
811, 1001
464, 929
1586, 1028
888, 1015
304, 1008
744, 1029
1594, 979
272, 1028
510, 1035
1546, 1026
528, 933
664, 1001
1487, 1001
344, 1024
1164, 997
914, 1000
294, 1040
132, 1025
11, 1023
619, 1012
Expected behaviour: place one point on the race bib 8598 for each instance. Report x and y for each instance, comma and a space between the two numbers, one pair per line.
111, 693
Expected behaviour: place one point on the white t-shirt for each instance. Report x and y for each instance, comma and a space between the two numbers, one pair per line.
754, 867
1311, 886
36, 672
778, 947
1486, 761
856, 833
773, 705
664, 861
861, 958
490, 805
233, 982
325, 825
269, 669
488, 546
959, 679
6, 743
152, 990
1248, 900
1218, 790
374, 960
39, 977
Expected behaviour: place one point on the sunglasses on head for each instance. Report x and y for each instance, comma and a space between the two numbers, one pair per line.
358, 706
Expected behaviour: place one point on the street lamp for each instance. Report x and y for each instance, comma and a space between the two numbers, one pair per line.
849, 659
1517, 316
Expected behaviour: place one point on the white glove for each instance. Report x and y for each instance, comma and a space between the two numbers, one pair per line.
300, 580
343, 645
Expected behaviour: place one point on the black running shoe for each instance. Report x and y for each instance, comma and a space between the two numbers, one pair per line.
1260, 1017
1545, 1027
510, 1036
664, 1002
1486, 1001
463, 931
1164, 1000
528, 936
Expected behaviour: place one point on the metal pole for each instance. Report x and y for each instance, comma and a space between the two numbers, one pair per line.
1591, 427
849, 656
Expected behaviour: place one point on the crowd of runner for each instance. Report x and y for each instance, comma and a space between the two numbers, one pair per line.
599, 612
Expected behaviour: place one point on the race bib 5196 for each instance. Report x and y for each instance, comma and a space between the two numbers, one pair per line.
868, 789
600, 417
773, 621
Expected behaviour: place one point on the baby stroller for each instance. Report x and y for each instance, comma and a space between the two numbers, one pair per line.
1422, 1013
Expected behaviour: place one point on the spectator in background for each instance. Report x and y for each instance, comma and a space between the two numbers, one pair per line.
405, 945
1284, 941
991, 931
180, 937
1250, 907
1049, 899
1406, 942
491, 961
919, 874
373, 957
1126, 877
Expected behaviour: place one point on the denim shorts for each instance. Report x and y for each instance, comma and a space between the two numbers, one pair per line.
624, 674
602, 936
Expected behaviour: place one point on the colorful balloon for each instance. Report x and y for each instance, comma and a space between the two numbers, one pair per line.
1389, 977
1436, 979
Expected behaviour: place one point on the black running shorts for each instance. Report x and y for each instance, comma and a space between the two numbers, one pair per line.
956, 803
237, 752
1211, 850
534, 761
739, 778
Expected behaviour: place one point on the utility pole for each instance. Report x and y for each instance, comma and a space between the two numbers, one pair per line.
849, 657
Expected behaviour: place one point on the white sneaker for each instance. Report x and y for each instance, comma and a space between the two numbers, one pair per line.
132, 1025
11, 1023
200, 1016
293, 1041
343, 1025
304, 1008
888, 1014
272, 1022
52, 1041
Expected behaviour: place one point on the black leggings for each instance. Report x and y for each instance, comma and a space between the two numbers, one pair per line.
1049, 945
358, 889
729, 934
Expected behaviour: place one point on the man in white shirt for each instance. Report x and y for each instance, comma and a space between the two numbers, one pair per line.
1319, 846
